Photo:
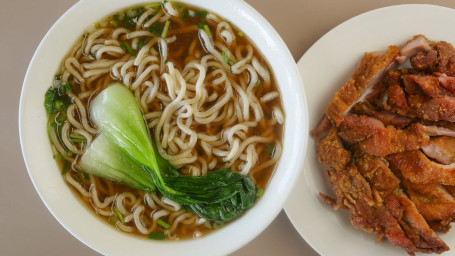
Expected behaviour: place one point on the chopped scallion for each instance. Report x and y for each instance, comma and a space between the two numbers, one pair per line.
156, 28
207, 30
119, 214
152, 5
163, 224
270, 149
69, 153
114, 23
156, 236
65, 167
140, 43
154, 52
128, 48
240, 33
259, 192
213, 67
166, 28
77, 138
226, 58
218, 225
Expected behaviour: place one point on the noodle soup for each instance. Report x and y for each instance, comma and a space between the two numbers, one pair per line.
208, 98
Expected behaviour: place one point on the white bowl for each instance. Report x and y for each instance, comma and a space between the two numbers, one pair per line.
81, 222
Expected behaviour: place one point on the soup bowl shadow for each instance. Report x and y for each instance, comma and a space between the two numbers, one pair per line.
72, 214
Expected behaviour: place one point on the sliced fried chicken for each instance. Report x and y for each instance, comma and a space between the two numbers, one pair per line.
418, 168
433, 201
371, 69
441, 149
416, 44
367, 213
410, 220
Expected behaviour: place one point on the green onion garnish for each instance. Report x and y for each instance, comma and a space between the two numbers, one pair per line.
201, 13
218, 225
240, 33
128, 48
77, 138
69, 153
226, 59
156, 28
213, 67
114, 23
270, 149
65, 167
166, 28
152, 5
119, 214
207, 30
156, 236
140, 44
163, 224
185, 15
259, 192
154, 52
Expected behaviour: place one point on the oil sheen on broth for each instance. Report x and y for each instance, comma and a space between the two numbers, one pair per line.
237, 124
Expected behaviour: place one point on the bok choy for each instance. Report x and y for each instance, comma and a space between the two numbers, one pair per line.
128, 155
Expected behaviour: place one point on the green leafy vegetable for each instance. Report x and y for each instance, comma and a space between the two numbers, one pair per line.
55, 99
103, 158
129, 20
156, 28
124, 152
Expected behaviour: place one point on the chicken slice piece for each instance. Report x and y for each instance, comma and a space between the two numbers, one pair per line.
382, 179
386, 117
417, 168
446, 58
367, 213
424, 60
413, 223
441, 149
433, 201
435, 109
391, 140
355, 128
371, 69
331, 151
447, 82
416, 44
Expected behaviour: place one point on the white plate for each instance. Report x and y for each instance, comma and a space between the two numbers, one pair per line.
324, 68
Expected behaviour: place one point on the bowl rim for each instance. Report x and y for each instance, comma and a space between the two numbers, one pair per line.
54, 195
